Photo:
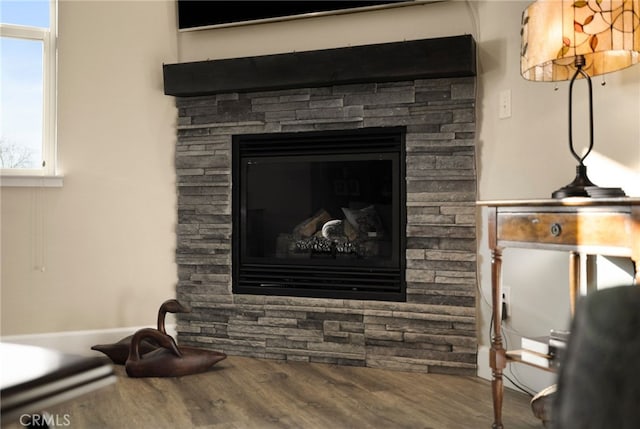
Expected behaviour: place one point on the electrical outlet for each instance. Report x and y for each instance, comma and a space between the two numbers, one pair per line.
506, 303
505, 104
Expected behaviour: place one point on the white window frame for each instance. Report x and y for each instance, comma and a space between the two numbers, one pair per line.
48, 174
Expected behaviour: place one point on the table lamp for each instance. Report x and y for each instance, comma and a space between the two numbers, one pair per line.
574, 39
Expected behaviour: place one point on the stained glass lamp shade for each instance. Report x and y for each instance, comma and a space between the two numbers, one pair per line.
569, 40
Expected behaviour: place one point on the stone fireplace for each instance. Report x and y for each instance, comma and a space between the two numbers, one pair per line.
424, 88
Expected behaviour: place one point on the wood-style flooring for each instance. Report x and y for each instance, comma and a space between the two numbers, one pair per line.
247, 393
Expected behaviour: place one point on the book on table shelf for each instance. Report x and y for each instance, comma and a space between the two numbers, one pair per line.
542, 360
559, 334
556, 345
558, 338
544, 345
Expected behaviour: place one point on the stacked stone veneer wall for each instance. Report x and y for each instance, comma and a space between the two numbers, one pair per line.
435, 330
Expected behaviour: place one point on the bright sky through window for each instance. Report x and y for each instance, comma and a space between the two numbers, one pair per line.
33, 13
22, 84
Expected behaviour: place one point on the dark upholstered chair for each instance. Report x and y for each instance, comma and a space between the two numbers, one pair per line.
599, 378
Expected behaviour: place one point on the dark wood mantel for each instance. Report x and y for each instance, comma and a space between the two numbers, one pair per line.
417, 59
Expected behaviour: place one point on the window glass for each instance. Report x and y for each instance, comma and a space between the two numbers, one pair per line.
27, 87
34, 13
21, 98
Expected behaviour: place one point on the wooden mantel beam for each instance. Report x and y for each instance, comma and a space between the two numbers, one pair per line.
387, 62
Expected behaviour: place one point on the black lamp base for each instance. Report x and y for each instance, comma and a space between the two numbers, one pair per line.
583, 187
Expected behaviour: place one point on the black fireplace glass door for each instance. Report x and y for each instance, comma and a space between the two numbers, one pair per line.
313, 209
320, 214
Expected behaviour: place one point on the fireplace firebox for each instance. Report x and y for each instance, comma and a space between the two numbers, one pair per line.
320, 214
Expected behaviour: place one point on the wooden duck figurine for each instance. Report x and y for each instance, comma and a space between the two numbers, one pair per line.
119, 351
168, 360
170, 306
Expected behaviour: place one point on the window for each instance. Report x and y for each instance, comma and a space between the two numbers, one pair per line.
27, 87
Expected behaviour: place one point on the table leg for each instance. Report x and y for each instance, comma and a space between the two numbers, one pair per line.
635, 243
497, 356
574, 279
591, 273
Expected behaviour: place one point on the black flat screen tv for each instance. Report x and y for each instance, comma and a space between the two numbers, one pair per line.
194, 14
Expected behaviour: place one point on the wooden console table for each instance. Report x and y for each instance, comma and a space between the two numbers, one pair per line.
584, 227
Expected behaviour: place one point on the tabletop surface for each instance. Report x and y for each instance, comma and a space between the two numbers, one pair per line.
564, 202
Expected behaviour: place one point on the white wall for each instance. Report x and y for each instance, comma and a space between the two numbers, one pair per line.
388, 25
107, 237
99, 252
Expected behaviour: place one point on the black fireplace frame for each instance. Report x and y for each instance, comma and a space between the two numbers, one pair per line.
385, 283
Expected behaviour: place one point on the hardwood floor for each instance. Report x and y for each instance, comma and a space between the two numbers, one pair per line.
247, 393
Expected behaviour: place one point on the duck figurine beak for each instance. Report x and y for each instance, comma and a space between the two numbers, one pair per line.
170, 306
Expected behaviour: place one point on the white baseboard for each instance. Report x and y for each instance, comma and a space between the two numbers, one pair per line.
78, 342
